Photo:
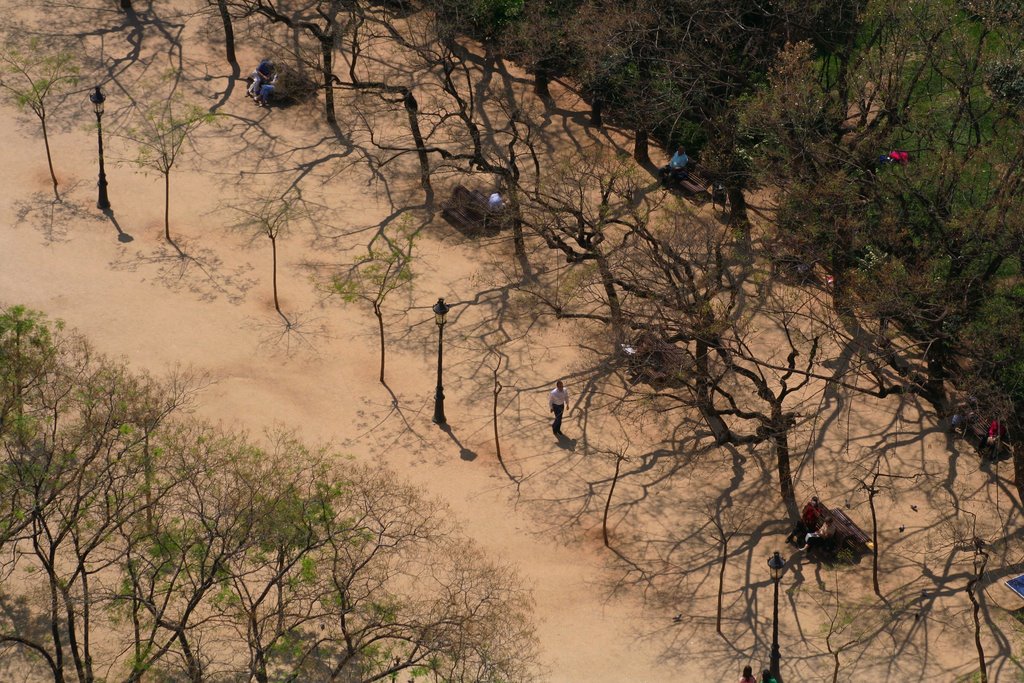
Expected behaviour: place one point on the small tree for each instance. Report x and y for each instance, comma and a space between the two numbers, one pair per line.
161, 136
270, 217
373, 277
34, 77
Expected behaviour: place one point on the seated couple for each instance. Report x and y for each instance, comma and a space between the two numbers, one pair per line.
813, 530
264, 77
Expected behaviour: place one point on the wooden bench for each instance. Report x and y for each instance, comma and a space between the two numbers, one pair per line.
973, 428
847, 533
796, 268
694, 182
467, 210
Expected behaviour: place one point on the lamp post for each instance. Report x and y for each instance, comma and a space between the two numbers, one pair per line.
776, 564
97, 100
440, 312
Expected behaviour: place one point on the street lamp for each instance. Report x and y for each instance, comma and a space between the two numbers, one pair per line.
97, 100
776, 564
440, 312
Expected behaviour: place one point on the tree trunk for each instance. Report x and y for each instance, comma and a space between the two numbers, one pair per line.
705, 400
167, 206
780, 438
1018, 471
380, 328
541, 79
494, 412
640, 147
979, 571
596, 110
49, 160
192, 665
412, 110
273, 273
874, 542
608, 501
721, 583
58, 645
327, 56
519, 246
935, 356
738, 218
229, 33
614, 306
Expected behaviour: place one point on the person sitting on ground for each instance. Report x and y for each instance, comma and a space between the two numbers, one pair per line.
748, 675
264, 73
676, 167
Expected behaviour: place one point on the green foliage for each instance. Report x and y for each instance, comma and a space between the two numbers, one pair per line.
32, 74
385, 268
482, 19
162, 131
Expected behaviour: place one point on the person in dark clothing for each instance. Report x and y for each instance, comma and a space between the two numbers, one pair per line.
813, 514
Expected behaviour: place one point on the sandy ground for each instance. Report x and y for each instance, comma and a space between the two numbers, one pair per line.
119, 283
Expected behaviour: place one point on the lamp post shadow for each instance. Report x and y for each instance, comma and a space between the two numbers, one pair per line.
122, 236
464, 453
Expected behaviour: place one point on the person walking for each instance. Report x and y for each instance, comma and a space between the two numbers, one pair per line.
558, 399
766, 677
748, 675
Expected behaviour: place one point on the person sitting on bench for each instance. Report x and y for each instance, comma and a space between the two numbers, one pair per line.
676, 167
495, 203
262, 74
822, 538
812, 516
990, 442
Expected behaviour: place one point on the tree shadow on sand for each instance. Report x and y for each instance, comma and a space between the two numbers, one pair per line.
183, 267
291, 333
54, 218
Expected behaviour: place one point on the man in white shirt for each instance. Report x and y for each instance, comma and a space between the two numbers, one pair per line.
495, 202
558, 399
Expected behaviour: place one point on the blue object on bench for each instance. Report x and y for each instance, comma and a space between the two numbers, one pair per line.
1017, 585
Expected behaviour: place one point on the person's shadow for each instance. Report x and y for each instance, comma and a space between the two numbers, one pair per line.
566, 443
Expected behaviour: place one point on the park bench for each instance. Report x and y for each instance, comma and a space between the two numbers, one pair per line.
847, 533
694, 182
795, 268
974, 428
467, 210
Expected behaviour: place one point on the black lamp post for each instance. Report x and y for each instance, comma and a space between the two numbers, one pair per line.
97, 100
440, 311
776, 564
